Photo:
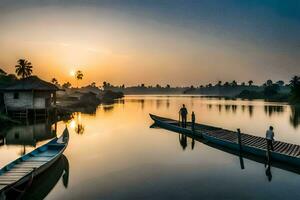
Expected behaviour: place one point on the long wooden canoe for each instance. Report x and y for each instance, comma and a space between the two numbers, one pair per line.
283, 152
25, 168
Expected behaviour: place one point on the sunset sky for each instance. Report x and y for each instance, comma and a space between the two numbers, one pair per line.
177, 42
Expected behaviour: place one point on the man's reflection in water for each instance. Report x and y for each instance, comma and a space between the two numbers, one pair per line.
268, 166
183, 141
193, 144
269, 173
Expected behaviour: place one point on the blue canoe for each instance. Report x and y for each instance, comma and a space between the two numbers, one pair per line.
257, 146
25, 168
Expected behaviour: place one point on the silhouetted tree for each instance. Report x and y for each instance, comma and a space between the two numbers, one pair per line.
219, 83
106, 85
168, 86
243, 84
54, 81
226, 84
23, 68
233, 83
271, 90
78, 76
66, 85
269, 82
250, 82
93, 84
280, 83
158, 86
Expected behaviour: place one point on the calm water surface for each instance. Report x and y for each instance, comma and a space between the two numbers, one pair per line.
113, 154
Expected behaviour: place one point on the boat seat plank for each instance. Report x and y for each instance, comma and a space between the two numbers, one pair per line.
9, 179
283, 147
3, 182
295, 151
40, 159
261, 142
252, 141
278, 146
12, 175
49, 153
289, 149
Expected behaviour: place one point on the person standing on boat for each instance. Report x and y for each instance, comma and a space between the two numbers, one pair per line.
270, 138
193, 121
183, 113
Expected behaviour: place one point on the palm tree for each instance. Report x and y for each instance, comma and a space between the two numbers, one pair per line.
54, 81
250, 82
79, 76
24, 68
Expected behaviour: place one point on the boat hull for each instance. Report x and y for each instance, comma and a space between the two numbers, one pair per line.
159, 121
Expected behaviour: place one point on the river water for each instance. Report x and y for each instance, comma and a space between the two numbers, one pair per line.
114, 154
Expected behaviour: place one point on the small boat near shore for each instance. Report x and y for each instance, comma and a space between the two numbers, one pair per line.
283, 152
24, 169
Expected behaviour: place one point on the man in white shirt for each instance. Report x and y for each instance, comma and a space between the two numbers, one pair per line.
270, 138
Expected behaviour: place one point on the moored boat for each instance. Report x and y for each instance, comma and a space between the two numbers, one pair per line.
283, 152
24, 169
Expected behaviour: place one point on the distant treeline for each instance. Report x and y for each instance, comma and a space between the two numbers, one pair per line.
270, 90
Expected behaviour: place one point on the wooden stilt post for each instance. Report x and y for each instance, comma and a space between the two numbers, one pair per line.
239, 139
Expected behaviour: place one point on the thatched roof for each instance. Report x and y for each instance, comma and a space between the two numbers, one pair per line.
31, 83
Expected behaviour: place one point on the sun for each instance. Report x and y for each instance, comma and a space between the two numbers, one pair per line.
72, 73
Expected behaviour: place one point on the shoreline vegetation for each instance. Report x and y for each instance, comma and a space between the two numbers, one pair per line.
269, 91
86, 99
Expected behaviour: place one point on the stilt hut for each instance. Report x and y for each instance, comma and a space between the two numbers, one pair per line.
29, 95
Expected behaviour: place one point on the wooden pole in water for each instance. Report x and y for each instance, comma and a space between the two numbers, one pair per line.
239, 139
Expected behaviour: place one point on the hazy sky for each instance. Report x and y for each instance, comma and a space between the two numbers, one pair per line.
177, 42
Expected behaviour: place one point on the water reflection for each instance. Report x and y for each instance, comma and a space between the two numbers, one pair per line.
76, 123
264, 161
108, 107
183, 141
27, 135
158, 103
295, 116
43, 184
271, 109
250, 110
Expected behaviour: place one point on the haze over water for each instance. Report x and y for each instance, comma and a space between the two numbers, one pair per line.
113, 154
